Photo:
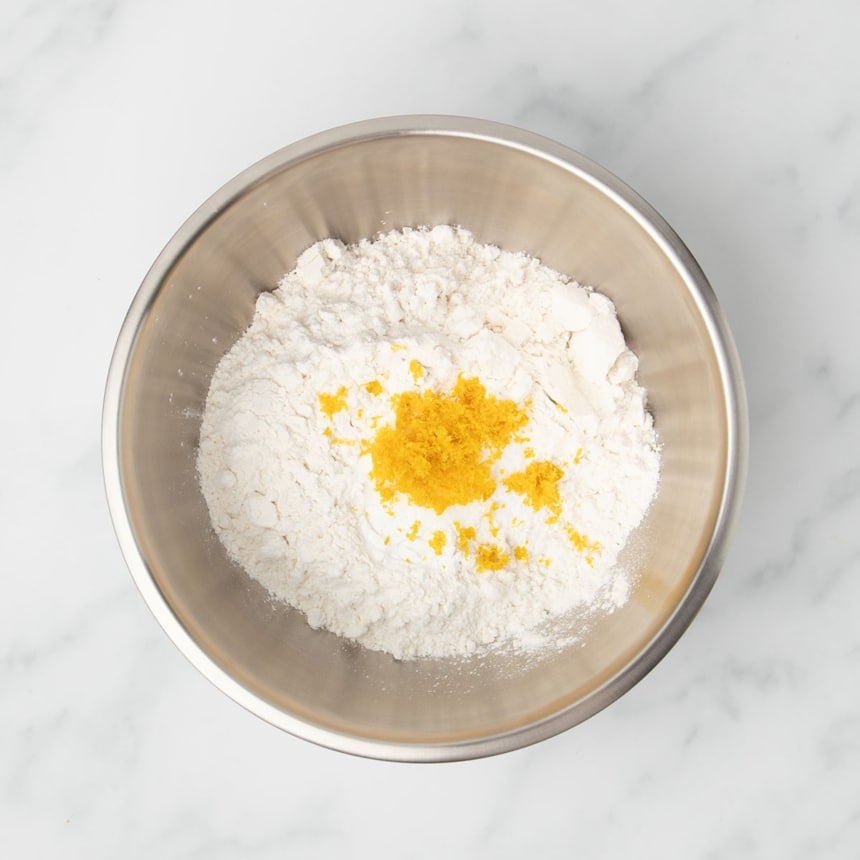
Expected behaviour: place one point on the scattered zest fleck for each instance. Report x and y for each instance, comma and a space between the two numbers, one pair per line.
464, 535
538, 484
437, 542
490, 557
331, 404
416, 369
583, 543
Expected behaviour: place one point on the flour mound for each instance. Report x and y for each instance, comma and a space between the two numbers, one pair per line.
286, 456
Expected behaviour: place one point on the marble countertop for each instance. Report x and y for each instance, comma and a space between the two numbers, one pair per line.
738, 121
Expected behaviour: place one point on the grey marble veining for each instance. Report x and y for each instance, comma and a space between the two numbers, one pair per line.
739, 121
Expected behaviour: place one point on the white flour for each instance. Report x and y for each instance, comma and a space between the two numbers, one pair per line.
293, 480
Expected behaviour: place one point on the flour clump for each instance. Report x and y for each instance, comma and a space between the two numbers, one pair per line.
429, 445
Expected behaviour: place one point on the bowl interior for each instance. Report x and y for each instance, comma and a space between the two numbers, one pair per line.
204, 289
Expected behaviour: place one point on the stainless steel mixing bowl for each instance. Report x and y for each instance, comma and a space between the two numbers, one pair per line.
513, 189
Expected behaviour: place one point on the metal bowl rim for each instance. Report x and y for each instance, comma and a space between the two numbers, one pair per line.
730, 372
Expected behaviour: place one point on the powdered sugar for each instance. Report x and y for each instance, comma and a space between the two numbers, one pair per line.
289, 481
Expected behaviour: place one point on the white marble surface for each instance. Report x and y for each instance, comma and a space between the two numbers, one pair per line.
739, 121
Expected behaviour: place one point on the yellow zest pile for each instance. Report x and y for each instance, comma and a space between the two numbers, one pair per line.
440, 448
439, 451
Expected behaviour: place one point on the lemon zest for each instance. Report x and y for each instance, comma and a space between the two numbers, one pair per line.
538, 484
416, 369
440, 448
464, 535
583, 543
490, 557
330, 404
437, 542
